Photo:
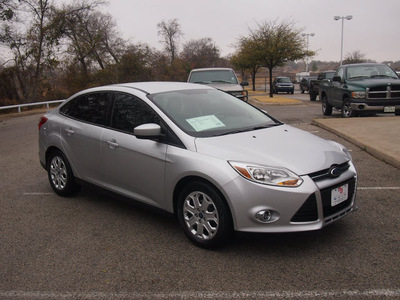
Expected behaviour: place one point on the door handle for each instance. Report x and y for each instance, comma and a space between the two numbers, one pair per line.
112, 144
69, 131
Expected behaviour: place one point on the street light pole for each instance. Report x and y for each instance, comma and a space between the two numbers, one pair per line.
307, 35
342, 18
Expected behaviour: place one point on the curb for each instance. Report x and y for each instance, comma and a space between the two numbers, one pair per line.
385, 157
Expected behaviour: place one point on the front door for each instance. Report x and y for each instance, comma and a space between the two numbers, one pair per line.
133, 167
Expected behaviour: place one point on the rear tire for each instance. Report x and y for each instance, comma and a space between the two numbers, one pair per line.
313, 96
204, 215
326, 107
60, 174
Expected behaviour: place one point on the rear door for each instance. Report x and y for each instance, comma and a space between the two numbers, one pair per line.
133, 167
81, 132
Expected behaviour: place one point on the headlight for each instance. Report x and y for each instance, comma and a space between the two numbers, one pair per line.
237, 94
358, 95
267, 175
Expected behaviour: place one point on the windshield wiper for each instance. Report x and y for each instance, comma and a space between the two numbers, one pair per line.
221, 81
248, 129
266, 126
201, 82
358, 77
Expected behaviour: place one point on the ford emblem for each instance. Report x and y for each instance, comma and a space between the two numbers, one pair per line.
335, 171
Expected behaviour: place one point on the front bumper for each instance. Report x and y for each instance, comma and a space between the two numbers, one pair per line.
307, 207
376, 106
242, 95
284, 89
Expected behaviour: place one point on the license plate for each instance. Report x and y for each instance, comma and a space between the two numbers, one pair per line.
339, 194
389, 109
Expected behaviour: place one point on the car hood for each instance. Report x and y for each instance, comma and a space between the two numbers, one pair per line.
279, 146
227, 87
372, 82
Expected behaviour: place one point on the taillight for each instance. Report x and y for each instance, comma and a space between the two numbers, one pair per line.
42, 121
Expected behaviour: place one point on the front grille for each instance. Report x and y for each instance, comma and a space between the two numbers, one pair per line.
308, 211
384, 92
323, 174
330, 210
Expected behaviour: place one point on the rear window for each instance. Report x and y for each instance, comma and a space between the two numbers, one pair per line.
91, 108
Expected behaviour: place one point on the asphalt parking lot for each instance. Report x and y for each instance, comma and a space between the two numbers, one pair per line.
95, 247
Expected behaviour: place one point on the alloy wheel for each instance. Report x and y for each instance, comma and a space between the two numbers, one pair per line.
58, 173
201, 215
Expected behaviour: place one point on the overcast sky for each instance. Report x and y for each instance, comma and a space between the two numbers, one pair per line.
374, 29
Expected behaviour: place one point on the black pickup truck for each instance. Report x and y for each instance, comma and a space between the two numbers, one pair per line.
325, 76
361, 88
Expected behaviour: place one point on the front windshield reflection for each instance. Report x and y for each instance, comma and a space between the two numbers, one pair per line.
369, 71
206, 113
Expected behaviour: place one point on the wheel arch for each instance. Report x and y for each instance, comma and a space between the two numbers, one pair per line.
345, 96
188, 179
49, 151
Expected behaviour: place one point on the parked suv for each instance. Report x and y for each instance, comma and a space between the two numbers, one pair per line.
223, 79
282, 84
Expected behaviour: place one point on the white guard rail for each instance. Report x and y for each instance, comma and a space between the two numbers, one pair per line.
47, 103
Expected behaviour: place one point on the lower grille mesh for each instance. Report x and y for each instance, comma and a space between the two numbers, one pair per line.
308, 212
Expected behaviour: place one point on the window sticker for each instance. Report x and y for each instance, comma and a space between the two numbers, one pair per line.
205, 123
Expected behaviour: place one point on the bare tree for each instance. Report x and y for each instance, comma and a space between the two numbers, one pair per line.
201, 53
171, 32
32, 46
91, 36
354, 57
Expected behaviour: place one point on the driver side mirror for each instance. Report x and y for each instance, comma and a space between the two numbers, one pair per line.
337, 78
244, 83
149, 131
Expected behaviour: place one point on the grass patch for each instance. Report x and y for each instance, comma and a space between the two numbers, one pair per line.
275, 100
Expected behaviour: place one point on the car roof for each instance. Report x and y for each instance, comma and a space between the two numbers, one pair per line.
211, 69
364, 64
150, 87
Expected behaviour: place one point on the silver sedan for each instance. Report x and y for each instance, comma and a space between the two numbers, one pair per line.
219, 164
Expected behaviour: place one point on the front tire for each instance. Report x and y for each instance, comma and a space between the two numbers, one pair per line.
326, 107
347, 111
204, 215
60, 174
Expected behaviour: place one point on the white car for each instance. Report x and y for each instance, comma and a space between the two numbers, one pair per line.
216, 162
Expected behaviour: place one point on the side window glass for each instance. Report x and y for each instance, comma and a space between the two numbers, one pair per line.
90, 108
130, 112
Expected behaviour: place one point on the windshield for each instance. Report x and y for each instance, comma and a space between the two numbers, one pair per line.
213, 76
329, 75
283, 80
206, 113
369, 71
